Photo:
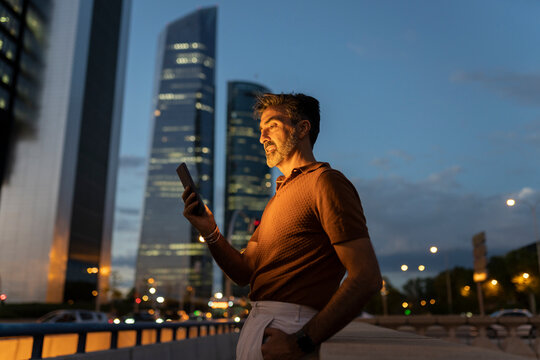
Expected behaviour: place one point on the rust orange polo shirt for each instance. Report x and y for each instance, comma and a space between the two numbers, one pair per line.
291, 251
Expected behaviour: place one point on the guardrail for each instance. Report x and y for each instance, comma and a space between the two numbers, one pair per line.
39, 331
471, 330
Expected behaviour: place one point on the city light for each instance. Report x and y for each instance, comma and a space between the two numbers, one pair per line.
218, 295
432, 301
151, 280
201, 239
138, 300
494, 282
510, 202
94, 293
525, 275
421, 268
145, 297
152, 290
3, 297
404, 267
423, 302
433, 249
160, 299
405, 305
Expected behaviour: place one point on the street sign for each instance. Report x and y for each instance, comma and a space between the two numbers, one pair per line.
479, 256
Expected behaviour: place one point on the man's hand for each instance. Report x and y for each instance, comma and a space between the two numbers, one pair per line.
205, 223
280, 346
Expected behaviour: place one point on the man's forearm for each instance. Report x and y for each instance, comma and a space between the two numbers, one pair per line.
342, 308
230, 261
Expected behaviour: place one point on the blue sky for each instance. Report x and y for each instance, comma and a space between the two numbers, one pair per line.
431, 108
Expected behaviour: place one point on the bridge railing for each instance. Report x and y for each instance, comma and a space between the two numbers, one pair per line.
144, 333
513, 335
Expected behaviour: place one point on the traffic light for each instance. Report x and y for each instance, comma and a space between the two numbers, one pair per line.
479, 255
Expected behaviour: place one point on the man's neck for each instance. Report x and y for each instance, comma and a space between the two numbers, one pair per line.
295, 160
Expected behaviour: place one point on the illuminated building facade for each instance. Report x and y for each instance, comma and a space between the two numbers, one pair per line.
23, 33
169, 250
248, 178
57, 200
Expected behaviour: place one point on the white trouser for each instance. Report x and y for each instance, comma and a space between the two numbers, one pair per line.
286, 317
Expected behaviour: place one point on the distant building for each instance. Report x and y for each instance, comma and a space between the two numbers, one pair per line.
57, 199
170, 252
248, 178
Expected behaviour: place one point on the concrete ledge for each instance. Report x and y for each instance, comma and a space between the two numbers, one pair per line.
215, 347
364, 341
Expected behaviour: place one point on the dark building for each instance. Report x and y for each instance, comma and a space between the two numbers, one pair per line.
23, 39
248, 179
57, 199
170, 251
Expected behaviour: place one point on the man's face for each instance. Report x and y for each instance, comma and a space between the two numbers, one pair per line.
278, 135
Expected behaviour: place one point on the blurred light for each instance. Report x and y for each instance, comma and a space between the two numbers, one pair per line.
405, 305
469, 314
138, 300
510, 202
407, 312
210, 303
145, 297
433, 249
151, 280
208, 315
94, 293
494, 282
421, 268
157, 113
465, 291
129, 321
160, 299
479, 277
525, 275
152, 290
432, 301
3, 297
467, 288
218, 295
159, 321
231, 303
197, 312
237, 319
423, 302
116, 321
151, 312
404, 267
201, 239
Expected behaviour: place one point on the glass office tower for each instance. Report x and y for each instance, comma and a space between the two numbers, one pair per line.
170, 254
57, 204
248, 178
23, 39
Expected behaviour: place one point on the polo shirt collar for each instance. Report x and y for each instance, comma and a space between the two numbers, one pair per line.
282, 180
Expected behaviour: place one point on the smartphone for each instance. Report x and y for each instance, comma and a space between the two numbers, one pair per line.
187, 180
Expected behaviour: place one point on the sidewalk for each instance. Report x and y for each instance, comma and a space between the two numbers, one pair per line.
364, 341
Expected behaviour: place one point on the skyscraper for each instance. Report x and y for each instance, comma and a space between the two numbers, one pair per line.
56, 204
170, 252
248, 178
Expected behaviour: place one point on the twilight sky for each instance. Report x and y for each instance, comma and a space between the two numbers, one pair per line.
431, 108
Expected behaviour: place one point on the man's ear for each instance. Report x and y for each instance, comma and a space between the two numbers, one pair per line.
304, 126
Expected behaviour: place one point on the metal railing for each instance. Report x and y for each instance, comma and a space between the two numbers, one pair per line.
39, 331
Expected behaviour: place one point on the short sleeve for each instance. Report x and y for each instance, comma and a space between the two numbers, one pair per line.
339, 208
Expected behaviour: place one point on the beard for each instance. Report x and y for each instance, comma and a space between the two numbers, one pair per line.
282, 152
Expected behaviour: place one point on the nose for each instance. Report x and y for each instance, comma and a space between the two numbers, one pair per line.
264, 137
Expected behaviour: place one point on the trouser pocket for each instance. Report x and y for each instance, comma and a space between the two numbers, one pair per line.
251, 337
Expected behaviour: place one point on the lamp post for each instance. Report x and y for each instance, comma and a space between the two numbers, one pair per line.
435, 250
532, 206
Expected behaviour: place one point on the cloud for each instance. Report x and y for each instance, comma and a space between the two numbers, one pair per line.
391, 158
132, 162
523, 88
405, 218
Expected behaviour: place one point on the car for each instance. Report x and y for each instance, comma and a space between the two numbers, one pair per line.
500, 331
74, 316
140, 316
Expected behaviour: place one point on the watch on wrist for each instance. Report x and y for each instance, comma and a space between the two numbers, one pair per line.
304, 342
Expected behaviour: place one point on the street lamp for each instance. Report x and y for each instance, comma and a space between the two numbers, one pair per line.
511, 202
435, 250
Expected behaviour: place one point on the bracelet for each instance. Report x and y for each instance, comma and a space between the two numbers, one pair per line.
213, 237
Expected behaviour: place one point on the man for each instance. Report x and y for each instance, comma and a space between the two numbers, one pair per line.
311, 232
